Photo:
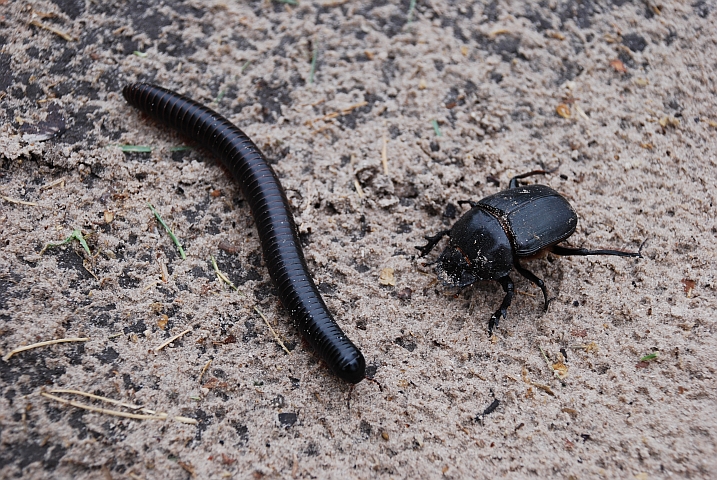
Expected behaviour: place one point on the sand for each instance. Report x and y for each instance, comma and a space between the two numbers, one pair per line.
421, 108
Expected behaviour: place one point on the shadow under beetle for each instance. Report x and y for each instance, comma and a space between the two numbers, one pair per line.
491, 238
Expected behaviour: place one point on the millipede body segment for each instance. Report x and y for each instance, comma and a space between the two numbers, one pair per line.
272, 215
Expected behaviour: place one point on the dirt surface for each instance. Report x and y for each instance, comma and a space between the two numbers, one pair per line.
619, 97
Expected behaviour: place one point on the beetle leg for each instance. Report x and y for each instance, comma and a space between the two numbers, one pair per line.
531, 276
508, 288
469, 202
566, 251
432, 242
514, 181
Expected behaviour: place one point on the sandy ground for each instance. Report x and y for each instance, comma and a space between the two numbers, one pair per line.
619, 97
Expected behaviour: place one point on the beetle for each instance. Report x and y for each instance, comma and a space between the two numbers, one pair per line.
489, 240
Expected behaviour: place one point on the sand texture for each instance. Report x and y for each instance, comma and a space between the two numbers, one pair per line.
404, 113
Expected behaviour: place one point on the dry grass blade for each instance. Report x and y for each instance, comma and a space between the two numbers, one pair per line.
146, 414
43, 344
187, 420
179, 335
104, 399
339, 113
59, 181
276, 337
222, 276
544, 388
20, 202
357, 185
358, 188
384, 156
59, 33
201, 374
115, 413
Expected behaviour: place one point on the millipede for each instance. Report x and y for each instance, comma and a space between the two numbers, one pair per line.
270, 208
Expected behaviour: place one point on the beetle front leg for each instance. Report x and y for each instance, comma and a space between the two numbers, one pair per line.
432, 242
533, 278
509, 289
469, 202
514, 181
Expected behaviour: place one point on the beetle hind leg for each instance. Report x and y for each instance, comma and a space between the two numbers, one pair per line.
533, 278
432, 242
567, 251
509, 290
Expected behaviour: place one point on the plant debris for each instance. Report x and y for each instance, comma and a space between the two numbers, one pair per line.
387, 277
169, 231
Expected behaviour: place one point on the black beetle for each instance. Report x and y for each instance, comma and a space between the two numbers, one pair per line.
490, 239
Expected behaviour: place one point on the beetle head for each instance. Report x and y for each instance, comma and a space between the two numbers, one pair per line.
460, 269
479, 250
455, 268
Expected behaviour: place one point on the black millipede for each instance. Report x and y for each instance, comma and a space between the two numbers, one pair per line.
272, 215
